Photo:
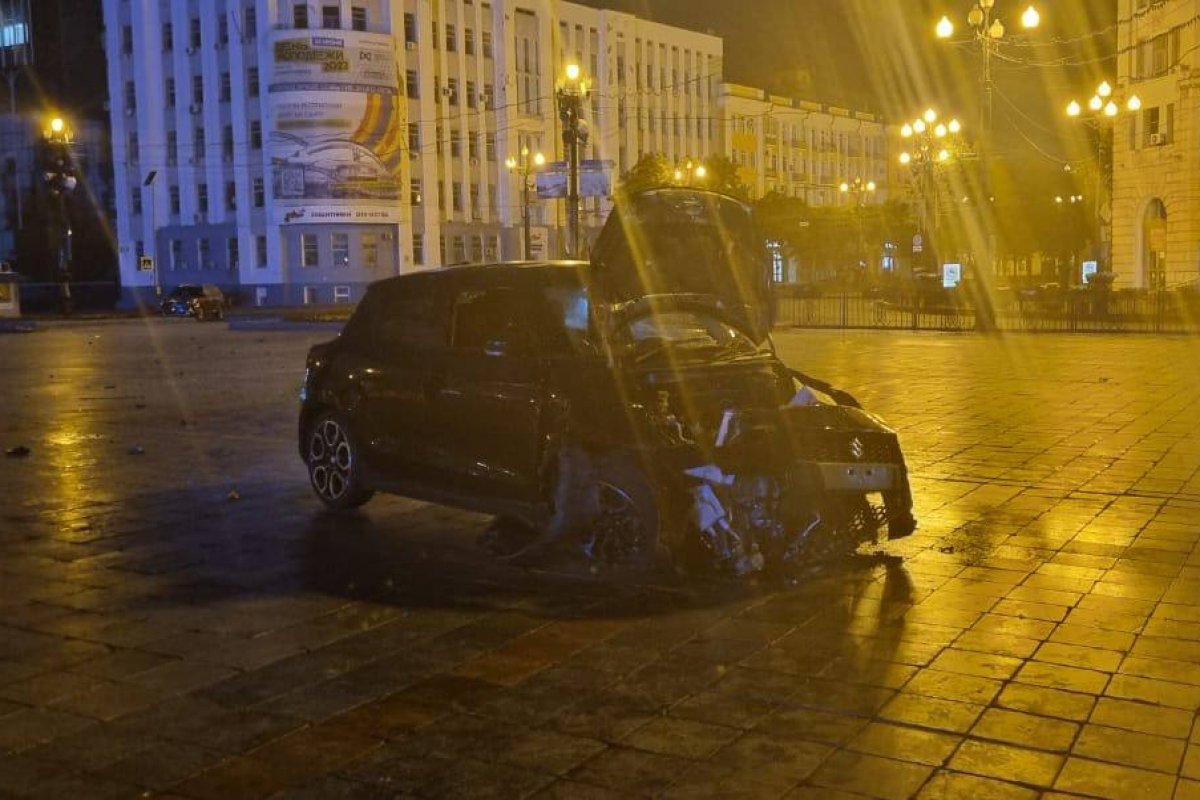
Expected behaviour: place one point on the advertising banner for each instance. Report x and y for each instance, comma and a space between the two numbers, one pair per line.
338, 125
595, 179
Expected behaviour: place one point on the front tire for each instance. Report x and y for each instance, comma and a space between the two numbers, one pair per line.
335, 464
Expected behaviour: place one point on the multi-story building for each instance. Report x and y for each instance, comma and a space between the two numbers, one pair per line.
801, 148
300, 150
1156, 151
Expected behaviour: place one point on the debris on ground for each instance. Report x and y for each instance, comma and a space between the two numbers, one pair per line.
20, 451
233, 496
136, 450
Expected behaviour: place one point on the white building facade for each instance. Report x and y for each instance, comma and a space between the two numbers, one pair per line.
297, 151
802, 148
1156, 151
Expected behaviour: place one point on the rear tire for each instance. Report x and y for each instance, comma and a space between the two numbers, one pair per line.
335, 464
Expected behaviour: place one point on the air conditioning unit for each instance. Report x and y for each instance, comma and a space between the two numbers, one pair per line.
1158, 139
410, 45
195, 108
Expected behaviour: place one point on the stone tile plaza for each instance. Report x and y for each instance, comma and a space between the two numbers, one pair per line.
180, 618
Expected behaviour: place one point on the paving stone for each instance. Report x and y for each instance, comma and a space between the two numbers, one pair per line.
1130, 748
631, 771
1113, 781
931, 712
905, 744
680, 737
1006, 762
1142, 717
1029, 730
871, 775
946, 785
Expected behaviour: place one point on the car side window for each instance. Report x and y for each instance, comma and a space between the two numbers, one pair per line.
484, 316
409, 320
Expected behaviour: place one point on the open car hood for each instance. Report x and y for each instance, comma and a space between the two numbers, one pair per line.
679, 241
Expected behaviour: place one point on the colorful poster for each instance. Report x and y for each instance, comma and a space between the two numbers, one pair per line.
337, 128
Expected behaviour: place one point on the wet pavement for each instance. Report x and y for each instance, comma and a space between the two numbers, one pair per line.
178, 618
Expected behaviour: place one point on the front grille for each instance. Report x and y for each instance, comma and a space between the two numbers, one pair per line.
838, 447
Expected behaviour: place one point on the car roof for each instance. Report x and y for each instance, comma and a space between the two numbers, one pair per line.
499, 269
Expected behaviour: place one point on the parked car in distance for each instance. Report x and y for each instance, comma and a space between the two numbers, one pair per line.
632, 406
201, 301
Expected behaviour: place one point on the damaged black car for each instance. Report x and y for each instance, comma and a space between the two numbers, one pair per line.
631, 408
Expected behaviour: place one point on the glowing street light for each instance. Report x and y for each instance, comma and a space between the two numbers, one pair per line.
525, 166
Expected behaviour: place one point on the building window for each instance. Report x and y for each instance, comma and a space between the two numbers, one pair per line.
370, 250
310, 295
410, 28
204, 256
252, 82
341, 294
226, 87
173, 199
227, 143
340, 244
231, 195
418, 253
194, 34
198, 145
452, 90
260, 252
410, 83
300, 15
476, 249
490, 146
358, 18
469, 41
197, 89
456, 200
414, 192
473, 146
487, 44
455, 143
259, 193
177, 255
169, 91
414, 139
309, 250
132, 146
135, 201
222, 30
488, 93
130, 96
451, 39
202, 197
470, 94
250, 28
231, 252
126, 39
442, 248
255, 134
460, 250
168, 37
331, 17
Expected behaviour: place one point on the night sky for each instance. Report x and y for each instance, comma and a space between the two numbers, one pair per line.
882, 55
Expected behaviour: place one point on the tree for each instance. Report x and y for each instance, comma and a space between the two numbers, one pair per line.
651, 171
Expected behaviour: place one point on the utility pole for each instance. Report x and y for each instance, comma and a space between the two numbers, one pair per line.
574, 132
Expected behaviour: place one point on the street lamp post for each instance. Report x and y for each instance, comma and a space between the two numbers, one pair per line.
861, 190
524, 166
988, 30
570, 95
58, 172
1102, 110
689, 172
933, 144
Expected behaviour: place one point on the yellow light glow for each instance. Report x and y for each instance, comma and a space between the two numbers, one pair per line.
1031, 17
539, 159
905, 158
572, 72
1058, 198
678, 174
701, 171
955, 126
945, 28
57, 125
997, 30
870, 186
940, 131
845, 187
943, 155
1110, 109
1133, 103
906, 131
1073, 109
930, 115
919, 126
1104, 89
510, 162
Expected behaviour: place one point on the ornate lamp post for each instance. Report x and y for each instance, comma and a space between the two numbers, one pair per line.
689, 172
525, 167
932, 144
1102, 111
58, 173
861, 190
571, 93
988, 30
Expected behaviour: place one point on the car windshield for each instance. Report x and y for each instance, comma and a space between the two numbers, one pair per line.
686, 334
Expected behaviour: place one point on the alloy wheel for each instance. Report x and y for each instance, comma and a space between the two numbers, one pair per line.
330, 460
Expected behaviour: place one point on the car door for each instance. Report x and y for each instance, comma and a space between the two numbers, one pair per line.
398, 376
487, 409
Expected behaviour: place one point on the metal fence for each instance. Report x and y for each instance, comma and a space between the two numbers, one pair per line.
1075, 311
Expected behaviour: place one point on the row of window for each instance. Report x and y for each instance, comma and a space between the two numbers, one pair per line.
331, 16
247, 23
170, 95
199, 144
141, 194
468, 40
474, 98
339, 248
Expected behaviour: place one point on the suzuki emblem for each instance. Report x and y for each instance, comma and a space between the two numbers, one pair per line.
856, 448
